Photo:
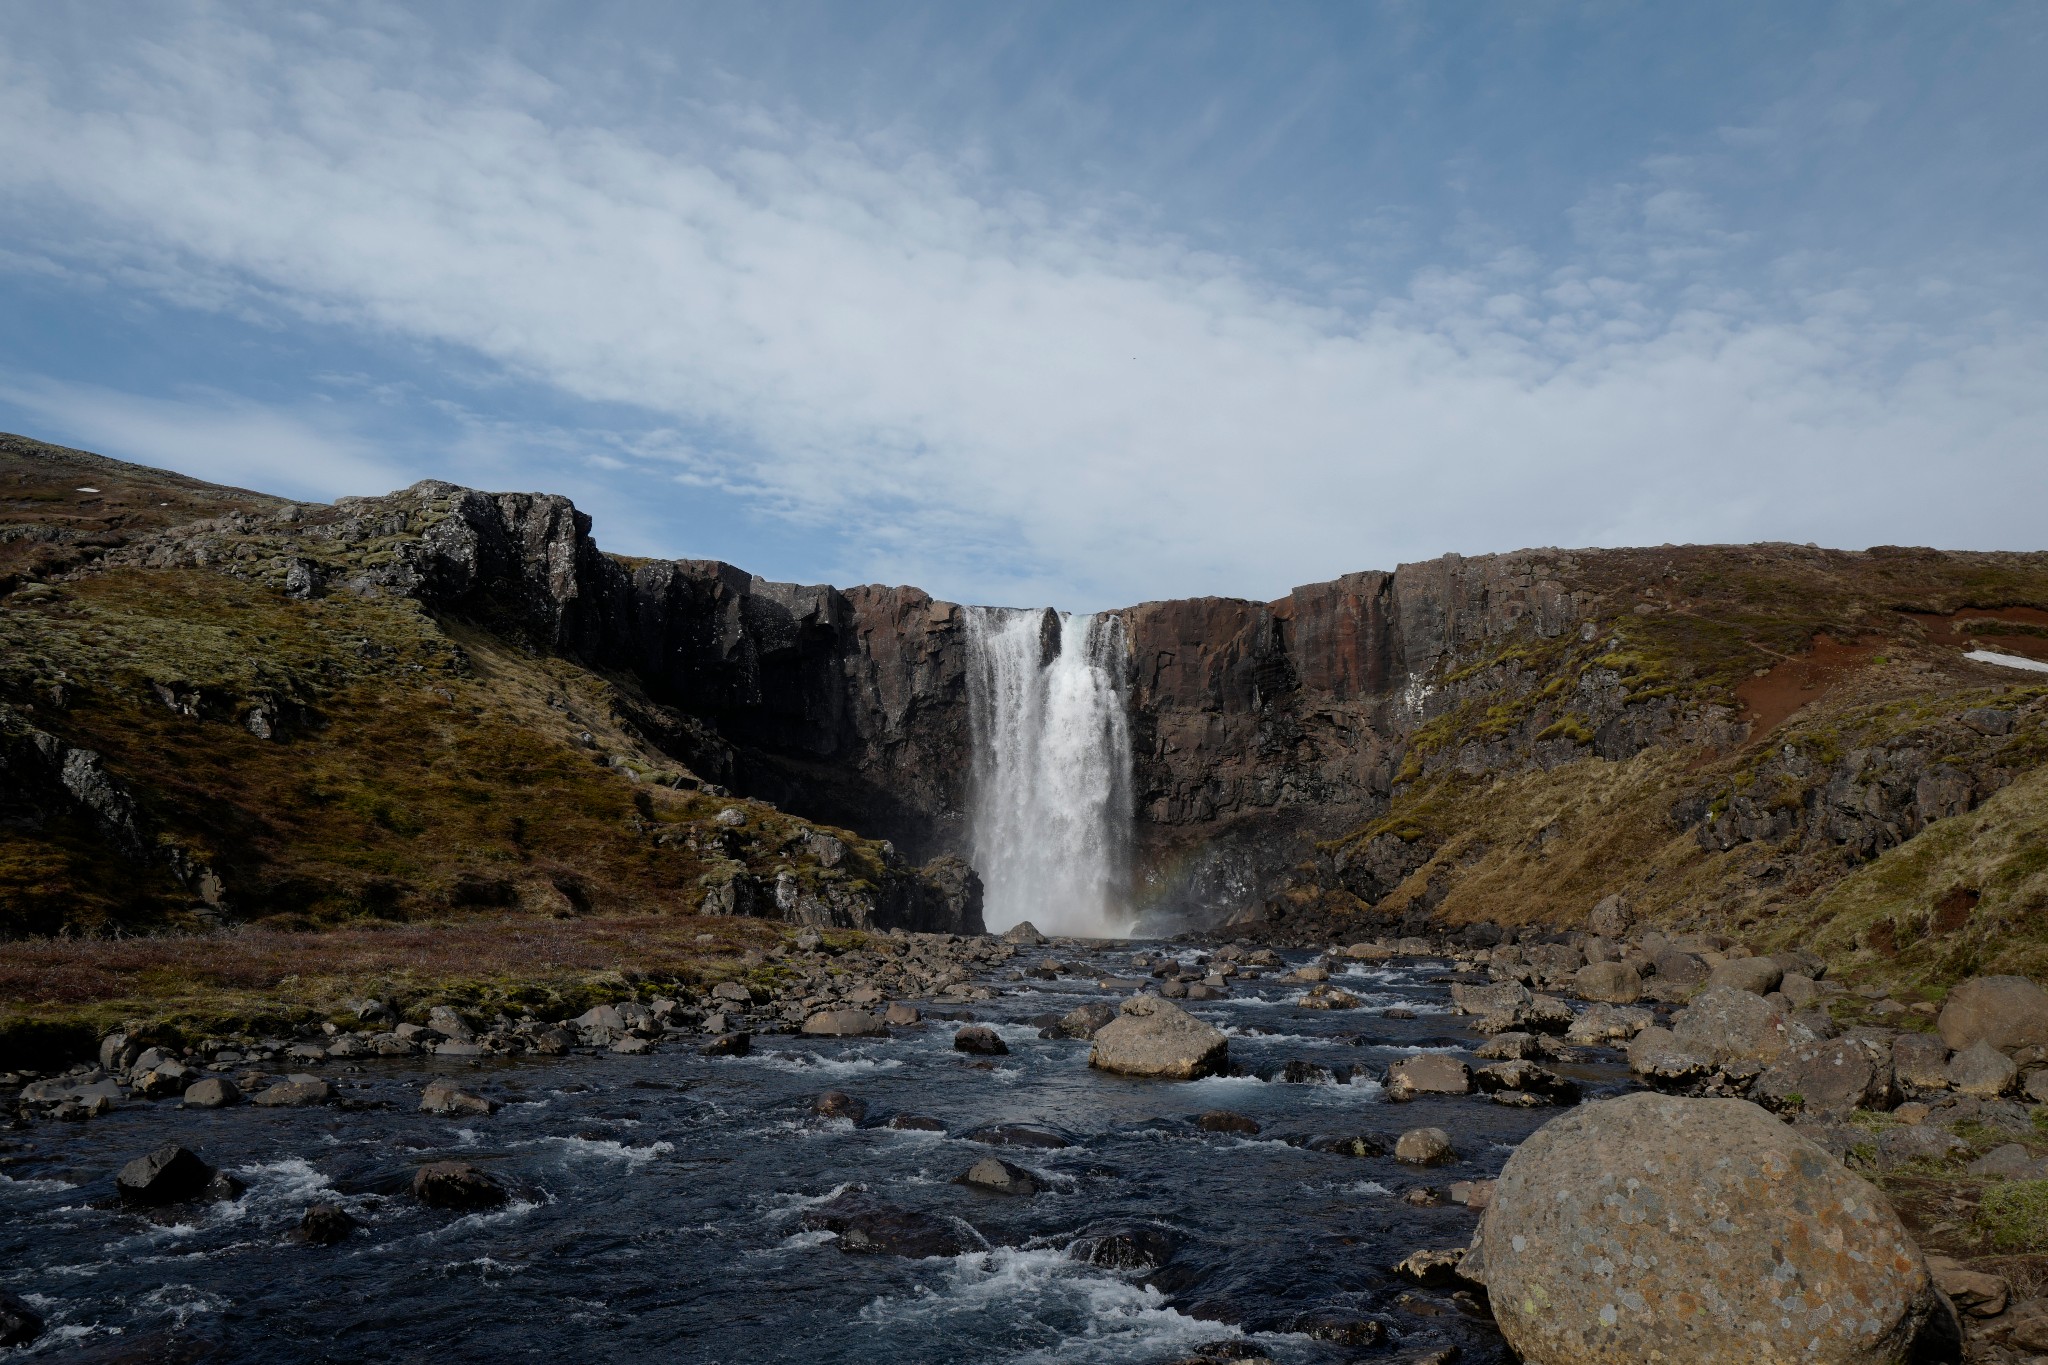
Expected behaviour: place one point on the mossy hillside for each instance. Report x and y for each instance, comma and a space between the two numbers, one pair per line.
421, 765
1968, 895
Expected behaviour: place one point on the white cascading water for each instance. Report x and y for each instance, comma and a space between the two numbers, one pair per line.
1052, 771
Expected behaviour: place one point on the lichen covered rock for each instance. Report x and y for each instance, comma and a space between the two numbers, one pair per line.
1658, 1229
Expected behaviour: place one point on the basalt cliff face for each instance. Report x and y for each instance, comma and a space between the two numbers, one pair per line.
1721, 734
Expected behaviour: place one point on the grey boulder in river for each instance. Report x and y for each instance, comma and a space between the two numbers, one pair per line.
1704, 1231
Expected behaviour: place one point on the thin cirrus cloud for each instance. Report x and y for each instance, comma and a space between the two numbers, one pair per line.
990, 392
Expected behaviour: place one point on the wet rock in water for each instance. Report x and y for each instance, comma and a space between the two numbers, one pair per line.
1700, 1230
999, 1176
1757, 975
1339, 1326
845, 1024
1328, 998
213, 1092
324, 1225
1612, 983
727, 1045
168, 1175
456, 1185
1920, 1061
1430, 1073
293, 1094
443, 1097
2004, 1011
981, 1041
19, 1323
1084, 1021
869, 1227
1301, 1072
633, 1047
1473, 1194
1525, 1078
1981, 1070
1510, 1047
1431, 1269
837, 1104
1157, 1038
1425, 1147
902, 1016
1725, 1025
915, 1123
1018, 1135
1226, 1121
1836, 1078
1504, 998
1024, 933
1126, 1246
1361, 1145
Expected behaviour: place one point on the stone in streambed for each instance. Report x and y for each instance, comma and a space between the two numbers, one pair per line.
213, 1092
1018, 1135
1700, 1230
1084, 1021
981, 1041
1425, 1147
1430, 1073
915, 1123
845, 1024
168, 1175
1130, 1246
293, 1094
1226, 1121
869, 1227
999, 1177
902, 1016
727, 1045
19, 1323
443, 1097
323, 1226
1156, 1038
837, 1104
456, 1185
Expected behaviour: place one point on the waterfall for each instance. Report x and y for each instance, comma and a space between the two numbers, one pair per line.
1052, 770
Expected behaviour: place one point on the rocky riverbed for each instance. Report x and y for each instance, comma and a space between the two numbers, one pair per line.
745, 1207
936, 1148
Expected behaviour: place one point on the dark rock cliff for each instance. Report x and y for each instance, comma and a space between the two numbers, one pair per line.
1326, 745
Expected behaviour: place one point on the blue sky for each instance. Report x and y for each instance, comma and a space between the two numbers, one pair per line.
1079, 304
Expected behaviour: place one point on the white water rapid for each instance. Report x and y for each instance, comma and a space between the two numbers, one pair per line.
1052, 770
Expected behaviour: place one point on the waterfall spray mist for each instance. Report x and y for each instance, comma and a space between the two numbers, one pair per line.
1052, 770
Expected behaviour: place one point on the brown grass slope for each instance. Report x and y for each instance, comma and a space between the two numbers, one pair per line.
1788, 674
430, 795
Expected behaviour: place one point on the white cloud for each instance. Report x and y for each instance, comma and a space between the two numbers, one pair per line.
1002, 394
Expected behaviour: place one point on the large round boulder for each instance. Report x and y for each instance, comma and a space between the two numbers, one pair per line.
1703, 1231
1155, 1037
2005, 1011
